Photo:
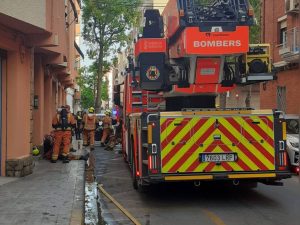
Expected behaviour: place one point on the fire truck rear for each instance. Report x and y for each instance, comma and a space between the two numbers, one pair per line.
172, 130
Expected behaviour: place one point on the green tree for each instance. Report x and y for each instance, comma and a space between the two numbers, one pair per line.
86, 82
106, 24
104, 94
255, 30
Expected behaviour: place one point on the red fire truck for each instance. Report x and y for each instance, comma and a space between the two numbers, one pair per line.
172, 130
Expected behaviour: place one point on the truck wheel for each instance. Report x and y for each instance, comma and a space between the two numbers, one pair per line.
137, 185
135, 181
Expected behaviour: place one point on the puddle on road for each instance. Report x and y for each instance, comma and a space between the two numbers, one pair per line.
91, 207
96, 212
92, 210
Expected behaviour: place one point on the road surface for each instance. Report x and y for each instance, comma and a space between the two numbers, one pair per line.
184, 204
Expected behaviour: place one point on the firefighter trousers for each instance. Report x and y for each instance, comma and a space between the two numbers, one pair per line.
64, 138
89, 138
106, 133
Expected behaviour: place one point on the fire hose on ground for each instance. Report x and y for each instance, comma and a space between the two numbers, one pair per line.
123, 210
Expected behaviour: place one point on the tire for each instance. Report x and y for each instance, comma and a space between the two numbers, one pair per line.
135, 181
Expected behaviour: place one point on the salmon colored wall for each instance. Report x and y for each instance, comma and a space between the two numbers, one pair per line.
58, 39
38, 114
60, 95
49, 13
57, 26
64, 97
71, 50
8, 41
54, 94
47, 104
18, 104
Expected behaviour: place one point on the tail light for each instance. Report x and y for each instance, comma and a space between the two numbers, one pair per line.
282, 156
152, 152
152, 164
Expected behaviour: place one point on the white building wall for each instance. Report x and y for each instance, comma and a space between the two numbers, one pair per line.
30, 11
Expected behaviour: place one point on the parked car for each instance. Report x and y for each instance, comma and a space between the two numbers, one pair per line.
292, 130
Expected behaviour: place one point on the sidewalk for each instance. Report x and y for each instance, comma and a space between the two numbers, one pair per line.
53, 194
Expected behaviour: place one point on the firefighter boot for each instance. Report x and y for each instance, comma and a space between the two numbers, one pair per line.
65, 159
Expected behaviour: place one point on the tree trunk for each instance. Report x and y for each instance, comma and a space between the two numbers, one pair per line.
99, 81
95, 81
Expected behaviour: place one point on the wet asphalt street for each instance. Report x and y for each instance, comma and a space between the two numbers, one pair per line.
183, 204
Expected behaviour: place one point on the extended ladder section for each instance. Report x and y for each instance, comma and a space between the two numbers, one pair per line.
217, 13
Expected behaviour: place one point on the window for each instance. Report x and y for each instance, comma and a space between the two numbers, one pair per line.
282, 32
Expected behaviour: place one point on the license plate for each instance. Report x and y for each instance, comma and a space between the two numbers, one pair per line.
218, 157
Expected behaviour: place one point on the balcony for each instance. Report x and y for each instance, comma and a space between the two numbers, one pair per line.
289, 50
28, 18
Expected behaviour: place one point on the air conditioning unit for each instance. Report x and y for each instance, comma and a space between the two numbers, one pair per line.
292, 6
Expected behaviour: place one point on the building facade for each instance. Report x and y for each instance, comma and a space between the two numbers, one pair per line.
281, 25
38, 62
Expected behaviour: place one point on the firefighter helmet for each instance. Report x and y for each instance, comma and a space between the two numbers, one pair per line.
35, 151
91, 110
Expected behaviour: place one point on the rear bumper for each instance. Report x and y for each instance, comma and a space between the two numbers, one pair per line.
261, 176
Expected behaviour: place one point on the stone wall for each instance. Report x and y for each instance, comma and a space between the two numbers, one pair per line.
19, 167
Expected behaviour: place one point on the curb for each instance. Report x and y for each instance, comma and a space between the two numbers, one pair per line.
77, 213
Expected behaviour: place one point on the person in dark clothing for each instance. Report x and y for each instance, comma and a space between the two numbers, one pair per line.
78, 128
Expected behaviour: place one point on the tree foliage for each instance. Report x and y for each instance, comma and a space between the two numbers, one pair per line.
255, 30
87, 82
106, 24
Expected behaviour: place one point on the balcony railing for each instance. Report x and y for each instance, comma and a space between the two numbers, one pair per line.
289, 50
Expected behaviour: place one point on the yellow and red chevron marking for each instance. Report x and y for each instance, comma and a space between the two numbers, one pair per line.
250, 136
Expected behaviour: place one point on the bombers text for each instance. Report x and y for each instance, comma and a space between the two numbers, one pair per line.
225, 43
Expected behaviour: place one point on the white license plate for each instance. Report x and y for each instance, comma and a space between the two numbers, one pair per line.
218, 157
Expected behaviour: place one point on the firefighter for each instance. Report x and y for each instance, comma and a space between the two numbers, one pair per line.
62, 122
90, 122
78, 128
107, 123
